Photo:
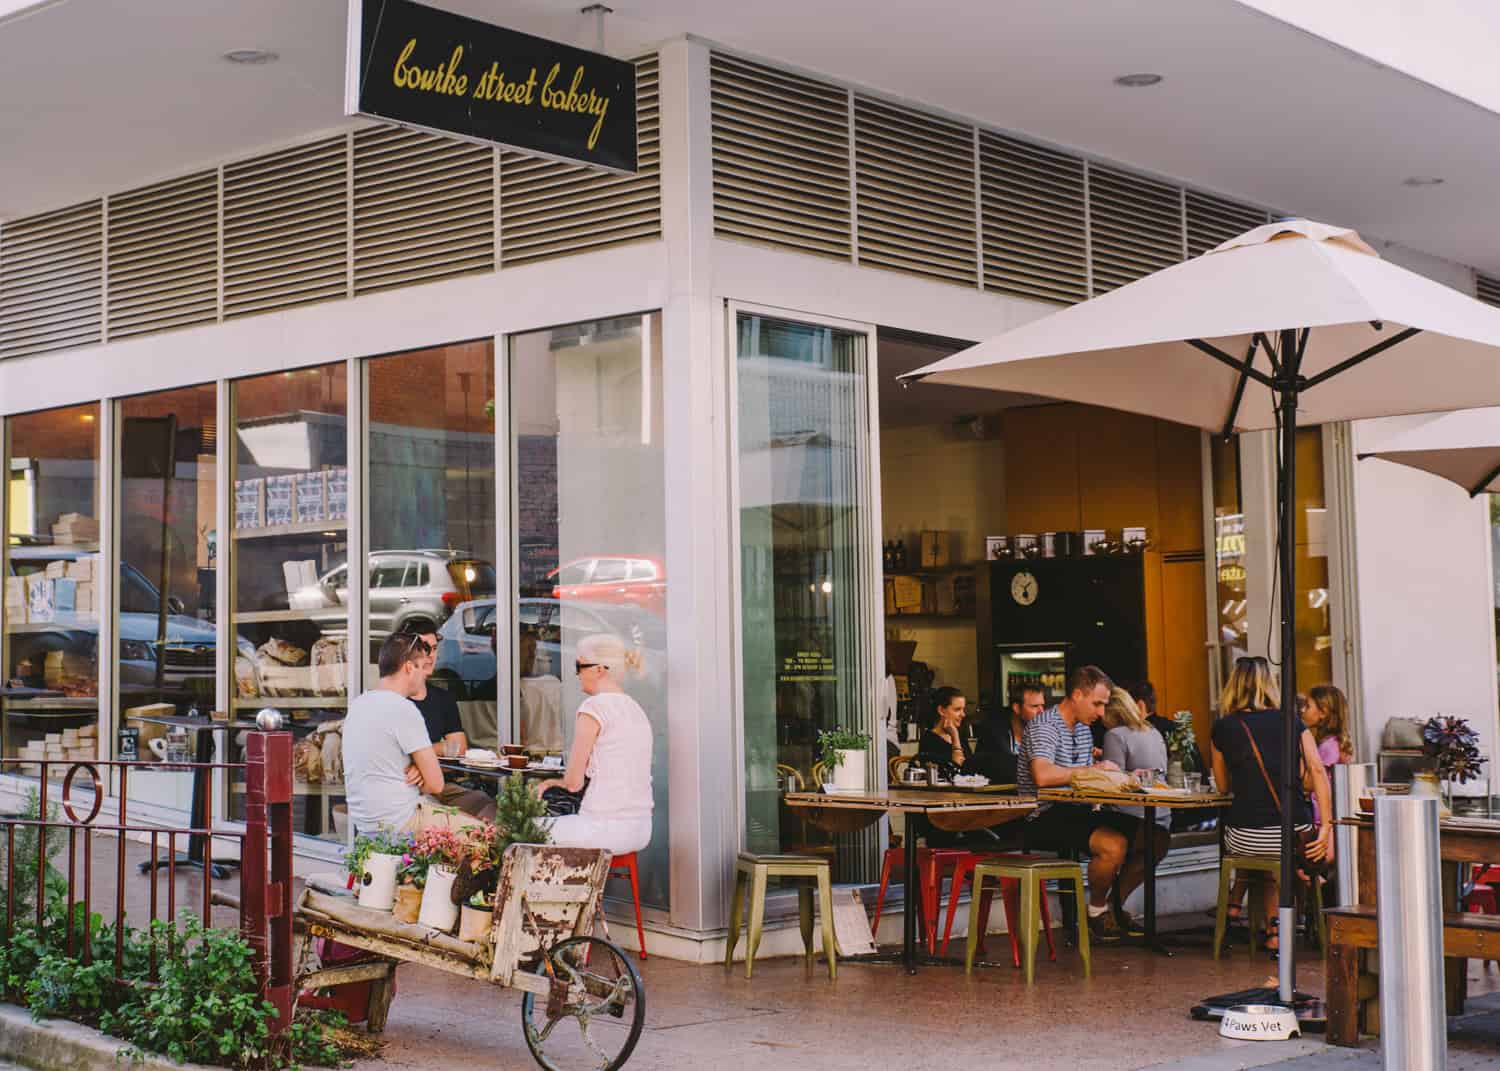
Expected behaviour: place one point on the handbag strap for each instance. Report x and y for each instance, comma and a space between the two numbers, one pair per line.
1275, 798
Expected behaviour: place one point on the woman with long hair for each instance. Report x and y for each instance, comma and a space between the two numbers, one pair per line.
611, 755
1132, 743
1246, 754
1326, 715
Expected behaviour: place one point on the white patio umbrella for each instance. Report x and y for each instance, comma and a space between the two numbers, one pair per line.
1461, 447
1291, 323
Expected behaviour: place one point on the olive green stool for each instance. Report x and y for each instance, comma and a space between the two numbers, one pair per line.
1265, 868
1030, 874
754, 871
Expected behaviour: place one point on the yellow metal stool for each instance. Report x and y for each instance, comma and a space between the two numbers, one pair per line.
1269, 868
1029, 873
754, 871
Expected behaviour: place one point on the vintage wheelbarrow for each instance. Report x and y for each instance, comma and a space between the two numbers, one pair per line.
583, 1003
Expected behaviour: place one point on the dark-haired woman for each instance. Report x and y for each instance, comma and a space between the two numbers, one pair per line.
943, 741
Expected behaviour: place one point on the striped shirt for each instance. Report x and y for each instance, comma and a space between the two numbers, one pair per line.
1048, 737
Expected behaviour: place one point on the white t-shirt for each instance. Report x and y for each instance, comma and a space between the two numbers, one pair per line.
381, 733
620, 768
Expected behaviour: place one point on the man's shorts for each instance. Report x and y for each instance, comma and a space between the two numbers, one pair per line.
1065, 828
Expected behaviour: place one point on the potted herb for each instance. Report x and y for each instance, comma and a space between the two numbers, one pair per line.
843, 754
476, 916
373, 862
441, 851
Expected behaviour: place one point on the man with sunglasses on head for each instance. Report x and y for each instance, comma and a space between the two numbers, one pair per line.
389, 764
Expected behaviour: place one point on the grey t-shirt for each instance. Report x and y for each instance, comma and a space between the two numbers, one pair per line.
1138, 749
381, 733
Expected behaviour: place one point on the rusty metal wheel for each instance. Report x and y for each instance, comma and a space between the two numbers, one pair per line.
595, 1023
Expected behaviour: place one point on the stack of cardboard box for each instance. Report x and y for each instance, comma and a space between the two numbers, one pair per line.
75, 528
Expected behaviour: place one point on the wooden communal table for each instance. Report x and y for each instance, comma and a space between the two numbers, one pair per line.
1150, 801
957, 811
1460, 840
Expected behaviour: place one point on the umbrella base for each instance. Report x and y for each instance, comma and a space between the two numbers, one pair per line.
1312, 1014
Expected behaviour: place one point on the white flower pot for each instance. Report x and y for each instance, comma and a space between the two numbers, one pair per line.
849, 775
377, 885
438, 909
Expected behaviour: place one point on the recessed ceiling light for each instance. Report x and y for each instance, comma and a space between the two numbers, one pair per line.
252, 57
1137, 81
1422, 180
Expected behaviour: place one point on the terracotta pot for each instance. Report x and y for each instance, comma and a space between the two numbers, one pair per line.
474, 923
408, 903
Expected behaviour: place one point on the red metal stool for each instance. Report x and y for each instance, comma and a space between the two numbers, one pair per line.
623, 865
1009, 898
932, 865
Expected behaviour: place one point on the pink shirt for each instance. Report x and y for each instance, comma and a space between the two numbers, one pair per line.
1329, 752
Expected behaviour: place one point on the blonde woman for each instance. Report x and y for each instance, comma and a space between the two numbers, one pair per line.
1246, 755
1132, 743
611, 754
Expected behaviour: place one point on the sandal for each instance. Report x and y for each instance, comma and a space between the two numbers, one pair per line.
1272, 934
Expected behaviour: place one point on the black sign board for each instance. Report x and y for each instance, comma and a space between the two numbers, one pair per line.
421, 67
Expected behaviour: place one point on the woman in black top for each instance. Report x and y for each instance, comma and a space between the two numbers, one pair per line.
944, 742
1246, 755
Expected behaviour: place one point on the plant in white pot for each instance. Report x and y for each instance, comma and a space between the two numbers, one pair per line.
442, 850
372, 863
843, 752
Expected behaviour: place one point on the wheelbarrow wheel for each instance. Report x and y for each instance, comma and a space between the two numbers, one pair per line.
594, 1017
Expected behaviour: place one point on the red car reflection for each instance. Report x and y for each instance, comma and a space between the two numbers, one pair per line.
619, 580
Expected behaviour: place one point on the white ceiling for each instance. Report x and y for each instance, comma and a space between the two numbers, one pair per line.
101, 96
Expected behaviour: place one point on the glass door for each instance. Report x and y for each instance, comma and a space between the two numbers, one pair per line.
803, 398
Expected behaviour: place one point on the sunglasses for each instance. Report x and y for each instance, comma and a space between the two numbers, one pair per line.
415, 644
579, 667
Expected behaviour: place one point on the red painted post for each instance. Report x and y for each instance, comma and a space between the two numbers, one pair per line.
278, 787
253, 860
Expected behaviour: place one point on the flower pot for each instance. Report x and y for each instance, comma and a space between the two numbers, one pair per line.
408, 903
849, 775
474, 923
438, 909
377, 885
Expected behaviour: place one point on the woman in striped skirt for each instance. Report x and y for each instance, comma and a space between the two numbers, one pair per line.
1246, 756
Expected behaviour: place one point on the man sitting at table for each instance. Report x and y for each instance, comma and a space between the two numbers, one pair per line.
999, 753
388, 759
446, 730
1057, 742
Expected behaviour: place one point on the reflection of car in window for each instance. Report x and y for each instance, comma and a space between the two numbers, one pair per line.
189, 642
408, 588
619, 579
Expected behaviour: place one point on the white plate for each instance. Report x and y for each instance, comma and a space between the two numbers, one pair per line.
482, 764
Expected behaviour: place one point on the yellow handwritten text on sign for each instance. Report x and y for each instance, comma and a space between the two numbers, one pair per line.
493, 85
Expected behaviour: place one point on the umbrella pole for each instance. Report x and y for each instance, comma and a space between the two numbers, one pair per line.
1287, 384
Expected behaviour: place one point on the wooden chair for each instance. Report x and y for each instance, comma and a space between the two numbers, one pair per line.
753, 871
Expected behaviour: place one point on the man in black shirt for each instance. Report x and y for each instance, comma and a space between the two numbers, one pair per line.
446, 731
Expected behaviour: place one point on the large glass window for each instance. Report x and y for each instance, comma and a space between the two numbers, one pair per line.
591, 531
168, 555
1230, 560
803, 423
51, 642
1314, 626
431, 508
290, 483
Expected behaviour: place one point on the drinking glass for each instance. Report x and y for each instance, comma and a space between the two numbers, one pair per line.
1146, 779
1193, 782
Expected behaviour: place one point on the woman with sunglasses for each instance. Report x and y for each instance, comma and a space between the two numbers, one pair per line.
611, 755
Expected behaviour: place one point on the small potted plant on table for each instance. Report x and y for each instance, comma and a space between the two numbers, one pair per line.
843, 754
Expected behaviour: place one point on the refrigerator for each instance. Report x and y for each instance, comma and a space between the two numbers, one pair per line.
1052, 615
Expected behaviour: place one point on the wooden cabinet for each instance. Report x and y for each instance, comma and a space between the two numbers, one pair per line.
1041, 469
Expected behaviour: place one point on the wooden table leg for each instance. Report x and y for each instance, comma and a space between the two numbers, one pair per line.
1342, 986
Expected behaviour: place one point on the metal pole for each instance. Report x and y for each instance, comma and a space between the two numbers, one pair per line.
1413, 1022
1349, 781
1286, 385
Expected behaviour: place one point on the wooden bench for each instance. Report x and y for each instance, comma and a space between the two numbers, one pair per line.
1353, 928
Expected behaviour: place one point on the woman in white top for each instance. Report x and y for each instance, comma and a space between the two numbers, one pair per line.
612, 749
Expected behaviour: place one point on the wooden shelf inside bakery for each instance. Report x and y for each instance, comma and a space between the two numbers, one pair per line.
279, 702
299, 528
260, 617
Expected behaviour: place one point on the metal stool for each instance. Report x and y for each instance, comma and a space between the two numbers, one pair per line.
1029, 873
754, 871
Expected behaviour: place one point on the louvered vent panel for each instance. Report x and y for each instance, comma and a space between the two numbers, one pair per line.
1487, 288
781, 158
424, 208
1212, 220
285, 228
1135, 226
552, 209
164, 256
1034, 242
914, 192
51, 274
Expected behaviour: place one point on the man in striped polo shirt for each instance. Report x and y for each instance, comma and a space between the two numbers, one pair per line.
1057, 742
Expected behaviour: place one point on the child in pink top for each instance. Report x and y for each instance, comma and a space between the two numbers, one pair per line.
1326, 715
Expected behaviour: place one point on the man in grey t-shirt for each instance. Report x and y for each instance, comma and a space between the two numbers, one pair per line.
384, 738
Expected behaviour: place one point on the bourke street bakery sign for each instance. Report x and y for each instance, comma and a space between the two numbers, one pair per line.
421, 67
